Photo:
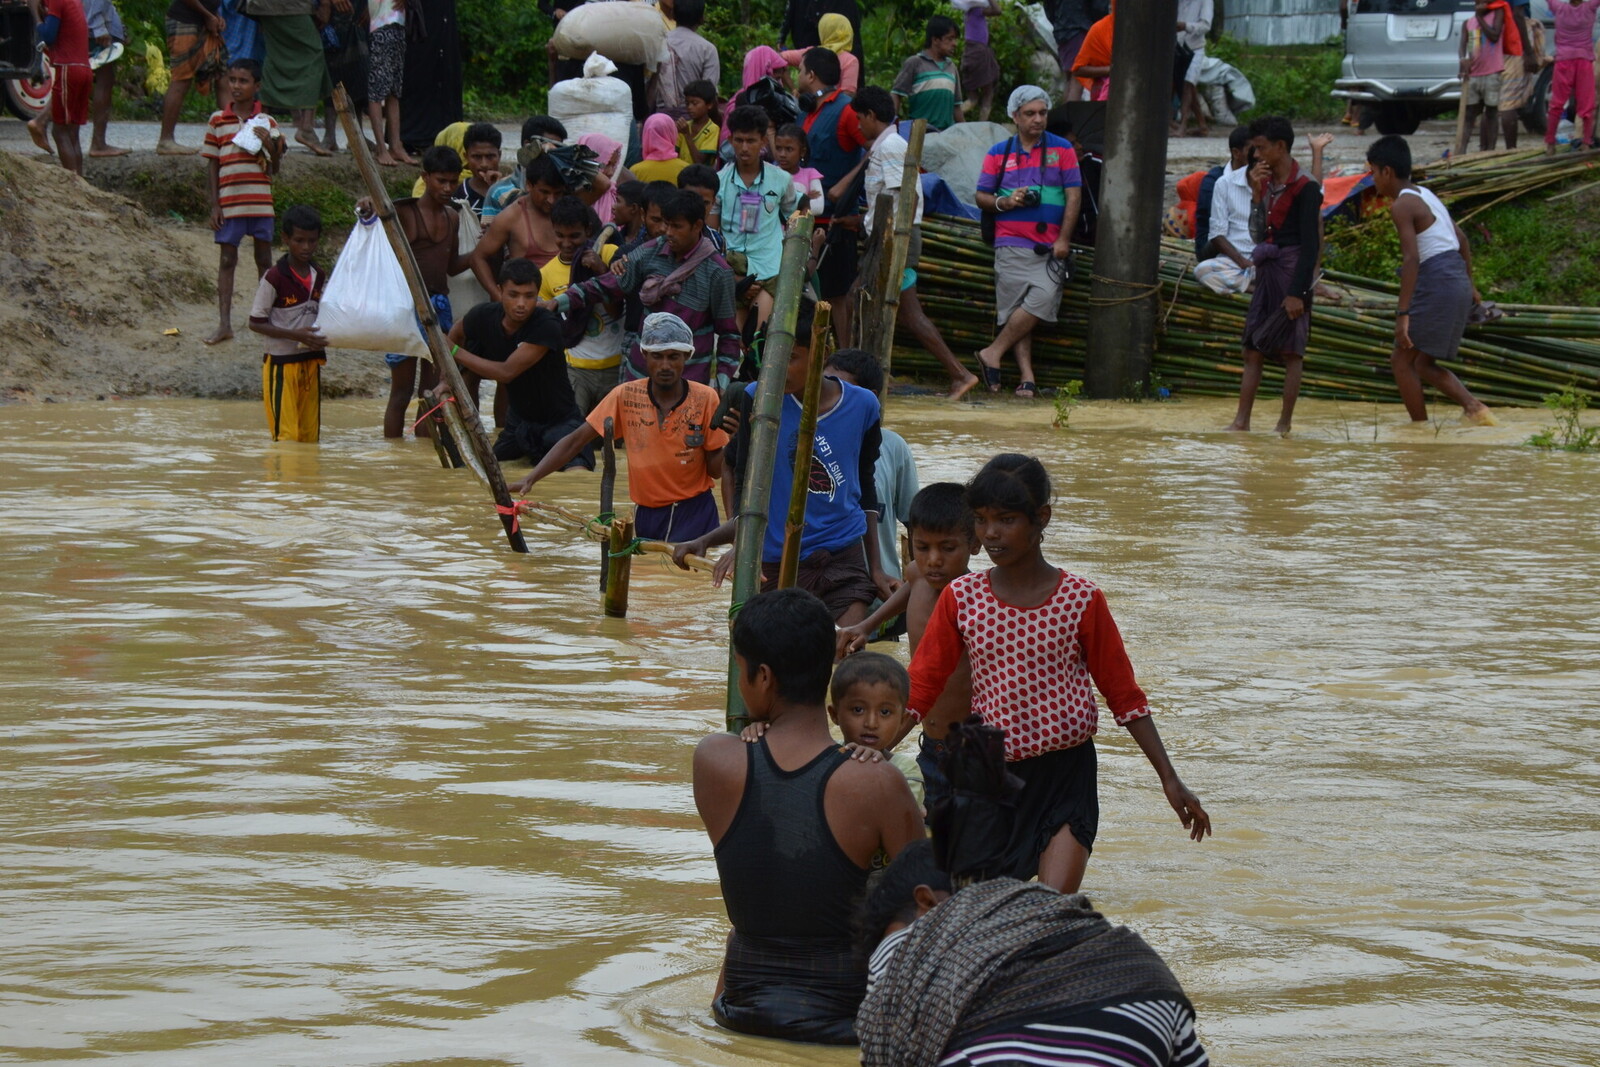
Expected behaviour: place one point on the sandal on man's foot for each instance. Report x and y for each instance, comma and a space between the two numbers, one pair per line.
991, 376
1028, 391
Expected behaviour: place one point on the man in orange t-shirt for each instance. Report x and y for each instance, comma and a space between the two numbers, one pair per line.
674, 454
1092, 68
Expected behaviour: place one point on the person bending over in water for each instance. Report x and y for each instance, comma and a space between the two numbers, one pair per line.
1007, 972
794, 823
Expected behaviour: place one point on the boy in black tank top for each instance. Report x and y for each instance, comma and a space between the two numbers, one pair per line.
794, 823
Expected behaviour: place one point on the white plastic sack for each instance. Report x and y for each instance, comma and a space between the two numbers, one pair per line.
593, 103
465, 291
624, 31
367, 304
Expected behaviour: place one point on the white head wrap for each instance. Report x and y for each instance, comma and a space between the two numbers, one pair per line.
1023, 95
663, 332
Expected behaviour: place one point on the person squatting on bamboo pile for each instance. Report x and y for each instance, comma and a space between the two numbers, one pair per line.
1224, 262
1286, 224
1031, 181
674, 453
839, 550
794, 824
1436, 290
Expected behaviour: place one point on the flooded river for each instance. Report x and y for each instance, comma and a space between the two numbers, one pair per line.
302, 767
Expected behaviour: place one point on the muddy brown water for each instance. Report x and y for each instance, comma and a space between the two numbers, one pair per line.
302, 767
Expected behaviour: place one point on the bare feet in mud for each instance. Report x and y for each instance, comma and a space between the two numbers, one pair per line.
223, 334
36, 131
1480, 416
173, 148
384, 159
311, 144
1238, 427
105, 151
961, 387
1282, 429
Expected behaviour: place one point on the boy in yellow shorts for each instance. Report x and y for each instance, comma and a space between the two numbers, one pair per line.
285, 313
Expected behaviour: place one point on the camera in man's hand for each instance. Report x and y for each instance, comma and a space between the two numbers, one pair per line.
1027, 197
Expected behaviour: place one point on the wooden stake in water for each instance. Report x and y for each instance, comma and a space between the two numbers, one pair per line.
805, 448
905, 215
608, 488
766, 414
461, 414
619, 557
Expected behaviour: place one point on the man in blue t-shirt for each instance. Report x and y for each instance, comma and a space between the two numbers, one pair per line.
839, 553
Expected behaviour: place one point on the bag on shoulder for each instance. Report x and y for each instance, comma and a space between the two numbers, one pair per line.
986, 218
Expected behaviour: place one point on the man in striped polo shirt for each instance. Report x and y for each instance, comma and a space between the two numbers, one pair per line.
929, 83
243, 146
1031, 182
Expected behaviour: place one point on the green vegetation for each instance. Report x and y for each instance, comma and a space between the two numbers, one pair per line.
1534, 250
1066, 400
1289, 80
1568, 434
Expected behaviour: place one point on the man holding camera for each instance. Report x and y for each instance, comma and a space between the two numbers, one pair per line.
1031, 183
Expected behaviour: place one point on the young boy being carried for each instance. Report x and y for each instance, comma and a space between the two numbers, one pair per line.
674, 453
243, 146
509, 342
1436, 290
867, 702
594, 337
432, 227
929, 82
943, 537
285, 313
753, 202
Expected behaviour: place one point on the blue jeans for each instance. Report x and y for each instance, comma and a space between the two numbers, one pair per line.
441, 311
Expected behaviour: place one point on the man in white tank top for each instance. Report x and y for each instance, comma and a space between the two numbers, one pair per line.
1436, 290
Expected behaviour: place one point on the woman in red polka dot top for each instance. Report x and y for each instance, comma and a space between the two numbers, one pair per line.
1037, 637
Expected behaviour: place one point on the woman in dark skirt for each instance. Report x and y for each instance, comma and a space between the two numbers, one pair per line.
430, 95
1436, 291
344, 47
1286, 223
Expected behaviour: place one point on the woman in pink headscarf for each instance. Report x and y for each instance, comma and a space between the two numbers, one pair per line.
610, 153
658, 141
760, 63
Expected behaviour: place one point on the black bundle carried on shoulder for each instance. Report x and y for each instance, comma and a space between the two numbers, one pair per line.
972, 823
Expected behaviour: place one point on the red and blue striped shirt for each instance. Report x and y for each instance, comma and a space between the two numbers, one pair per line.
1051, 168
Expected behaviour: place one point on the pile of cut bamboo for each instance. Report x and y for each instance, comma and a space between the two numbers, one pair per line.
1516, 361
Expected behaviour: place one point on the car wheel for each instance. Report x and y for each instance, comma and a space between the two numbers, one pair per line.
1392, 117
27, 98
1533, 112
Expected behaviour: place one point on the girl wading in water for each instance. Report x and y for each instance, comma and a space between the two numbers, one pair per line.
1040, 640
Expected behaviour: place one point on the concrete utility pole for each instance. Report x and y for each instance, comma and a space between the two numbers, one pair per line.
1122, 331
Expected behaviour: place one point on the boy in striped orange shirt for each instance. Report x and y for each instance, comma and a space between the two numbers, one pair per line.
243, 146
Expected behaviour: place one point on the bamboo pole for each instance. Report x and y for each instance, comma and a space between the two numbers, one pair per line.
608, 489
905, 215
598, 531
805, 448
867, 322
619, 557
449, 373
766, 414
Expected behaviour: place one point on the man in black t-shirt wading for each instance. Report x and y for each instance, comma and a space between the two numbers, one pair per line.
511, 342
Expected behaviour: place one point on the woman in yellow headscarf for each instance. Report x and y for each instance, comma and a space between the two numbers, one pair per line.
836, 35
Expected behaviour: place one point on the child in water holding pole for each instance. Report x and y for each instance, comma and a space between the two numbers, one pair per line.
1037, 637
